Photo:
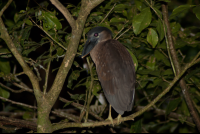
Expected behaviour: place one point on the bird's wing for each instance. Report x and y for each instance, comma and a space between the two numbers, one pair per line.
116, 73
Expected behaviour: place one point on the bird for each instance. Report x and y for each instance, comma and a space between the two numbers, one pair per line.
115, 69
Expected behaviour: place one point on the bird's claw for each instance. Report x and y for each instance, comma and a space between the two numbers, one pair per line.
110, 119
118, 119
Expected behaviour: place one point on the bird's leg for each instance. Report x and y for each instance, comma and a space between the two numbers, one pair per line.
118, 118
110, 117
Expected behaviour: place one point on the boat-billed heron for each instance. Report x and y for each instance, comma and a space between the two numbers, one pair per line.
115, 69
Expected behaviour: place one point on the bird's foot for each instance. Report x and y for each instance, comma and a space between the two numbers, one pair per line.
118, 119
110, 119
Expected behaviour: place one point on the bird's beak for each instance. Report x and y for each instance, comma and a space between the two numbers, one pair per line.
89, 45
85, 51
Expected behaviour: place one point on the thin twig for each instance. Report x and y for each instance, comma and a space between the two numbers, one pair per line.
124, 32
5, 7
18, 103
90, 90
47, 70
66, 115
12, 90
121, 29
23, 88
108, 13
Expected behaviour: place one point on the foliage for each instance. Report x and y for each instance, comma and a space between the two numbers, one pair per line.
139, 26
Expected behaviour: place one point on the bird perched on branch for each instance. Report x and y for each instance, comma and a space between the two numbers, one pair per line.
115, 69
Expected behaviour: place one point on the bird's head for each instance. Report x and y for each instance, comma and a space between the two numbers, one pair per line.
96, 35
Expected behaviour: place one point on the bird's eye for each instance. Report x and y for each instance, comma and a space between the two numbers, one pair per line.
96, 34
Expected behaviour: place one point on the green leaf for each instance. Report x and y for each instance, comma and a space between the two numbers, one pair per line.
197, 11
159, 55
158, 12
151, 63
131, 12
136, 127
75, 63
152, 37
25, 34
27, 51
149, 72
9, 23
4, 93
120, 7
160, 29
68, 103
173, 104
117, 20
124, 12
50, 21
75, 74
184, 108
138, 4
96, 88
142, 20
70, 83
77, 96
175, 28
168, 72
105, 24
18, 16
134, 59
179, 10
28, 22
96, 13
5, 66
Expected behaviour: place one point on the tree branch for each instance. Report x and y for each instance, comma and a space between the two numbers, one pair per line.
15, 91
18, 103
18, 123
178, 69
5, 7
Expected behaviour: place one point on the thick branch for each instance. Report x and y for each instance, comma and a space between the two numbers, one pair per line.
178, 69
131, 117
